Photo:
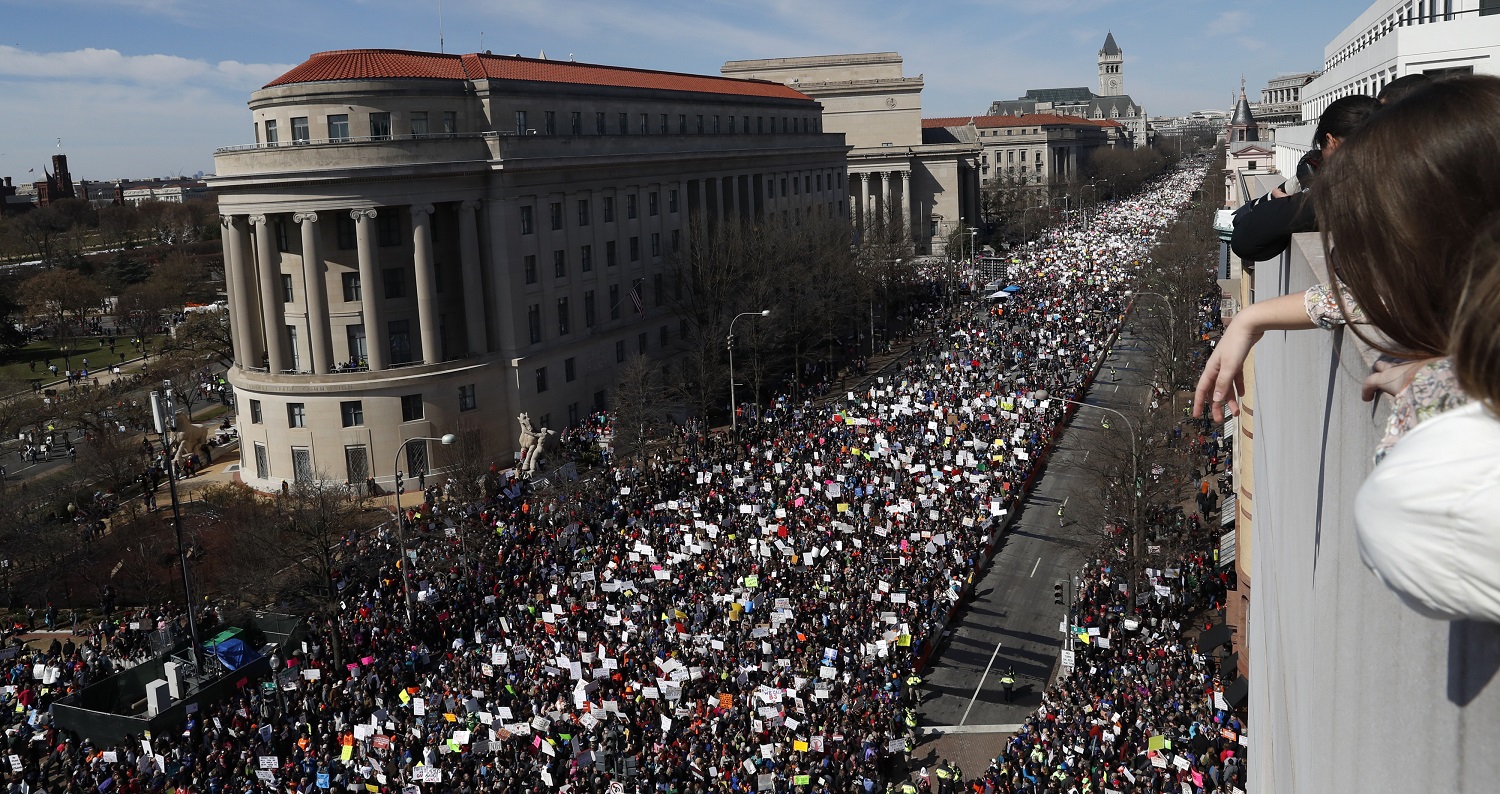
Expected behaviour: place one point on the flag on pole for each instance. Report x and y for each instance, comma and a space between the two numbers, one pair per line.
635, 297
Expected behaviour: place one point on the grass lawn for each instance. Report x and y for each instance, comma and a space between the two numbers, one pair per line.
18, 363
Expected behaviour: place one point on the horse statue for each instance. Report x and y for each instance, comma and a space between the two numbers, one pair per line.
535, 445
187, 439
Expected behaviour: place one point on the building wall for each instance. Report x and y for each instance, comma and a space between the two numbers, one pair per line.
481, 201
1350, 691
1394, 39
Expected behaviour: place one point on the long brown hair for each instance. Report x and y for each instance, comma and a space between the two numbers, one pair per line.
1475, 338
1401, 204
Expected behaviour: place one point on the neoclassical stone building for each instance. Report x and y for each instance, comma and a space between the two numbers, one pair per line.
894, 166
417, 241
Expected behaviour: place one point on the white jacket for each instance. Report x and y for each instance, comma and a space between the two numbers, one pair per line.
1428, 518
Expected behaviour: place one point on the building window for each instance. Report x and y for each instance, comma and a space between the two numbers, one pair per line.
586, 258
286, 288
608, 208
614, 301
645, 125
353, 412
559, 263
676, 240
556, 209
300, 134
262, 461
576, 124
296, 415
609, 253
255, 415
388, 228
570, 369
700, 123
466, 398
658, 294
640, 340
716, 125
338, 127
541, 379
681, 123
529, 267
302, 465
731, 125
411, 407
354, 335
282, 243
630, 207
534, 322
635, 249
394, 281
357, 464
400, 341
419, 124
653, 203
583, 212
562, 317
662, 336
664, 128
450, 122
380, 126
620, 352
588, 309
622, 124
672, 200
656, 243
270, 132
520, 122
572, 414
526, 226
549, 122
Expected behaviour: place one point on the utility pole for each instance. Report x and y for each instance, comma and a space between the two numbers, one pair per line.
162, 412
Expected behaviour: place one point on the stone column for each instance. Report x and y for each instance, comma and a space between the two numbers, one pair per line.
864, 199
370, 291
230, 240
468, 251
427, 314
272, 308
885, 195
315, 284
249, 347
905, 177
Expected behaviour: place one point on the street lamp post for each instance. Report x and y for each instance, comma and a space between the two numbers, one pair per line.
163, 410
734, 421
446, 440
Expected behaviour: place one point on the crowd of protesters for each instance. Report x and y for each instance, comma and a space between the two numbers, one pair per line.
718, 613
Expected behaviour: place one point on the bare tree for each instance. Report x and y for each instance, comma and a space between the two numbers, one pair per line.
642, 407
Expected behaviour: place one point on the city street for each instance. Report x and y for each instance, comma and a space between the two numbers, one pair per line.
1014, 606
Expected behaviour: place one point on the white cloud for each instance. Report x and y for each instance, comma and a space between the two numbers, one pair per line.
1227, 23
92, 64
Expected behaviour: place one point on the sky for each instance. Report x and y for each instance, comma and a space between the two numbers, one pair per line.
145, 88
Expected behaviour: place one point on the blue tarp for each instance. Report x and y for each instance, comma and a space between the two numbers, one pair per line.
234, 653
1012, 288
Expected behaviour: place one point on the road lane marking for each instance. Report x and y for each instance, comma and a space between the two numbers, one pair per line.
1034, 567
965, 717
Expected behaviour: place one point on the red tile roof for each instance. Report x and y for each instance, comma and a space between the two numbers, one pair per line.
1027, 120
403, 64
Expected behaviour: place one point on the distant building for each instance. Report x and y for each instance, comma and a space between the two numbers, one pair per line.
1246, 156
57, 185
1395, 38
1110, 104
172, 191
418, 240
10, 202
1034, 149
892, 165
1281, 99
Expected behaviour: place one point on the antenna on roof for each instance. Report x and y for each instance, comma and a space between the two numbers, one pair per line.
440, 27
542, 56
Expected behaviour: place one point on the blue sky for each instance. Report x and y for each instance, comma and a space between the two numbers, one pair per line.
140, 88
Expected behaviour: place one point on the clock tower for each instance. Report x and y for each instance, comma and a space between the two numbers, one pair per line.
1111, 68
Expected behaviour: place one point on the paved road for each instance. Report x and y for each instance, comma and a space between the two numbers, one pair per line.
1014, 605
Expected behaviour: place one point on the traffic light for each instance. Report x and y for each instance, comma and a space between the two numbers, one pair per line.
1057, 593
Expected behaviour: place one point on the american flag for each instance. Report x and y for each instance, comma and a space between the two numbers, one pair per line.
635, 297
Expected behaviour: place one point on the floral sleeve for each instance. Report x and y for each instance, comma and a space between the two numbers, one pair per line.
1322, 306
1432, 391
